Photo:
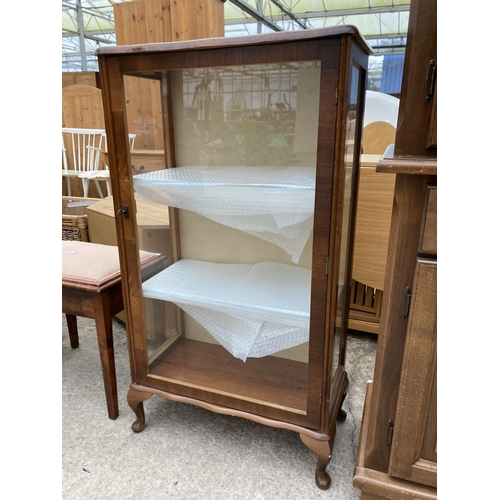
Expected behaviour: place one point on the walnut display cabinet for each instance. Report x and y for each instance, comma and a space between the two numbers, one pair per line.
261, 152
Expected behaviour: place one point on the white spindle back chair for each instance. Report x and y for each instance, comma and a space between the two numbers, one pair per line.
82, 149
103, 174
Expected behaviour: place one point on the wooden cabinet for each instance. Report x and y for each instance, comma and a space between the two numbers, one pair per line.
397, 452
146, 160
417, 120
249, 316
414, 447
373, 222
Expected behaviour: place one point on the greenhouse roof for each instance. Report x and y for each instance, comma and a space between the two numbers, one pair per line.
88, 24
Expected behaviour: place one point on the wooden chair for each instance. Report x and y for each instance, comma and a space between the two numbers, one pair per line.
102, 174
82, 149
91, 287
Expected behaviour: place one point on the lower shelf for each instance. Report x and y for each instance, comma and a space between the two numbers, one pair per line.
271, 381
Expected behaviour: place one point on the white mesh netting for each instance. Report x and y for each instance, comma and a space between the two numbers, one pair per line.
275, 204
253, 310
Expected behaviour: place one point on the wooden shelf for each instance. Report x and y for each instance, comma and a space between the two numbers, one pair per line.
273, 381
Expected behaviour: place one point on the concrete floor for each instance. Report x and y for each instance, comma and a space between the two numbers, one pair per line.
186, 452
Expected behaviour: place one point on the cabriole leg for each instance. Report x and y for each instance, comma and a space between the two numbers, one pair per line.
342, 414
323, 450
135, 400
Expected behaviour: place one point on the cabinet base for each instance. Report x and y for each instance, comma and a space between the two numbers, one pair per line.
376, 485
321, 444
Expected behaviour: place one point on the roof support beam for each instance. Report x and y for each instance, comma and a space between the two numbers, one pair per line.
90, 12
81, 33
257, 15
289, 14
353, 12
94, 38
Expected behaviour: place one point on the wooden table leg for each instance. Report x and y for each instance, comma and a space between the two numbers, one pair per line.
104, 327
72, 330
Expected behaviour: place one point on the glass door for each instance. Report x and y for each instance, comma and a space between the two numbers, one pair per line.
231, 208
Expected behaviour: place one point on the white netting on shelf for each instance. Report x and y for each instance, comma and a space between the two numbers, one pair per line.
275, 204
253, 310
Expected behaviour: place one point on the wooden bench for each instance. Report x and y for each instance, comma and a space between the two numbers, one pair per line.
91, 288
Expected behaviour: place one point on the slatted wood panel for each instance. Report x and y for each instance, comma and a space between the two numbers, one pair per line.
373, 220
150, 21
81, 108
84, 77
373, 223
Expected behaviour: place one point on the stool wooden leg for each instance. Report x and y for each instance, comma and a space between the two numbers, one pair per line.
104, 327
72, 330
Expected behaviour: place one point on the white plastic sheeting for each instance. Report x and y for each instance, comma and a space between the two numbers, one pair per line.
275, 204
253, 310
380, 107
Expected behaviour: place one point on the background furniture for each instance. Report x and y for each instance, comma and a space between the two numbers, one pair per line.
91, 287
300, 387
151, 21
81, 108
80, 77
81, 152
102, 174
373, 215
371, 242
75, 225
153, 229
397, 452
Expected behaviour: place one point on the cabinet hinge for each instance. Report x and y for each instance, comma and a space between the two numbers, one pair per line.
336, 93
431, 81
327, 265
390, 431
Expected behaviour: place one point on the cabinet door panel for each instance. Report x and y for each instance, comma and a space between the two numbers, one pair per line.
428, 242
413, 453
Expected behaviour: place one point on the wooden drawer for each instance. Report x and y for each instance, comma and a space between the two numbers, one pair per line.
146, 160
428, 238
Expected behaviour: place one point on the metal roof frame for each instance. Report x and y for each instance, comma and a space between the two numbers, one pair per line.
87, 24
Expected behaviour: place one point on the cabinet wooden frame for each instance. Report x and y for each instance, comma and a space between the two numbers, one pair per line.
397, 452
321, 383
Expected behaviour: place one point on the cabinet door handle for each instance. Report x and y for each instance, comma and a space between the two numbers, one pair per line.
123, 211
431, 80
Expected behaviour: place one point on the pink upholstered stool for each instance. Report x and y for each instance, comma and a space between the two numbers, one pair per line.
91, 287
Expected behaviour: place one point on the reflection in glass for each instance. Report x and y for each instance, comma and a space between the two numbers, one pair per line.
350, 149
240, 210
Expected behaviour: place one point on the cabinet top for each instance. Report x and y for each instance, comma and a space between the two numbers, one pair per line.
240, 41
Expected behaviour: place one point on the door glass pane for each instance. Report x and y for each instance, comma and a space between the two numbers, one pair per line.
351, 147
231, 206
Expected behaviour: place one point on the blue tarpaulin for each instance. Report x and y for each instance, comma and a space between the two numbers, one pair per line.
392, 73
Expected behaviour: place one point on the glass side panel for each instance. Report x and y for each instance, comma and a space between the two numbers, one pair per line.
233, 216
350, 147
